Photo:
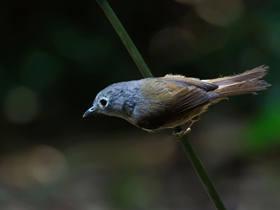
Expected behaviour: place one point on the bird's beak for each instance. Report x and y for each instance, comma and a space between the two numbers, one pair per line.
90, 111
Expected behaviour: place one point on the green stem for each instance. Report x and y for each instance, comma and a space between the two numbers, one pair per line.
210, 189
200, 170
134, 53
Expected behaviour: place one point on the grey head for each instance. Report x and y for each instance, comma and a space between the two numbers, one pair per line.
118, 100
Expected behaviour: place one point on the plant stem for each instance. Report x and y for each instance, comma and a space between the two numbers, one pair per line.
200, 170
134, 53
209, 187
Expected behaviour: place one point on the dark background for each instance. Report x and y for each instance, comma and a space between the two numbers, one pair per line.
56, 55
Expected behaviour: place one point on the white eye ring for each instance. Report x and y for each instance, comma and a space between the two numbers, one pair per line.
103, 102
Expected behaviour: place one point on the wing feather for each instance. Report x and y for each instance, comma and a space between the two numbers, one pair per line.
167, 100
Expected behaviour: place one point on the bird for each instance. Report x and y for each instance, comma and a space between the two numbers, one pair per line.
157, 103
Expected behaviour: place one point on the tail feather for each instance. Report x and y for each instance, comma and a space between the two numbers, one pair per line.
254, 74
241, 88
244, 83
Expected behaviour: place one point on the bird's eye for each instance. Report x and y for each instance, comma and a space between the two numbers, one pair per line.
103, 102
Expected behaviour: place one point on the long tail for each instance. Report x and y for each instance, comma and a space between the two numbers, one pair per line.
244, 83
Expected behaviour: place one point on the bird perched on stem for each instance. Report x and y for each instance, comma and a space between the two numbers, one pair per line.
166, 102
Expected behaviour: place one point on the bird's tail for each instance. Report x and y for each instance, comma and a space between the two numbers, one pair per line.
244, 83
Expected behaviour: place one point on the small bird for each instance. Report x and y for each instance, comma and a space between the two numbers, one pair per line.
166, 102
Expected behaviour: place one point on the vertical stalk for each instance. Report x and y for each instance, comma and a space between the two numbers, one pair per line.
201, 172
133, 51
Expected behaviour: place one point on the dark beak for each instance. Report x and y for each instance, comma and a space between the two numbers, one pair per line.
90, 111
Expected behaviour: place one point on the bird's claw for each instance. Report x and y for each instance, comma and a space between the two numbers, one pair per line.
180, 134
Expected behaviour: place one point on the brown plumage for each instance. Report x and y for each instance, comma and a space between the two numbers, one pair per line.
247, 82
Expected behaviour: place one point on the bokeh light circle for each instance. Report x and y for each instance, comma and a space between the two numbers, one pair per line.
20, 105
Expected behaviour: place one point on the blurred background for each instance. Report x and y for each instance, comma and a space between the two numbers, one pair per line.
56, 55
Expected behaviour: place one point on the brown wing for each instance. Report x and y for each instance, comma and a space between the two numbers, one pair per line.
170, 93
188, 92
191, 97
166, 99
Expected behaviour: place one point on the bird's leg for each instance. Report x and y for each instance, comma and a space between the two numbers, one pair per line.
180, 134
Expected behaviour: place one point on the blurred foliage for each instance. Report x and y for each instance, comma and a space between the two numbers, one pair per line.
56, 55
263, 133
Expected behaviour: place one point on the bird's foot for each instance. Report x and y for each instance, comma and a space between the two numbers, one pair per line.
180, 134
